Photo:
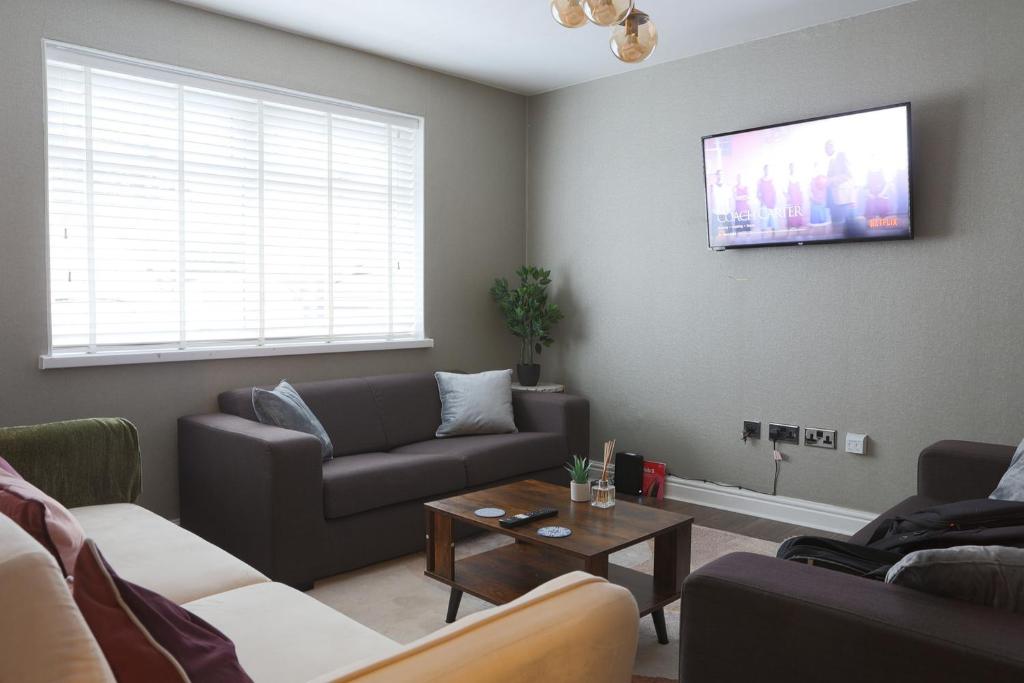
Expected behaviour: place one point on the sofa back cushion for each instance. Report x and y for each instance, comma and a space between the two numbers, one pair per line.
363, 414
410, 407
43, 636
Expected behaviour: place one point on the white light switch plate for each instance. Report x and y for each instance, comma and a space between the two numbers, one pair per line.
856, 443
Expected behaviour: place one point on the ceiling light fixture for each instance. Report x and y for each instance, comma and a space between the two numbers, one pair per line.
634, 36
607, 12
569, 13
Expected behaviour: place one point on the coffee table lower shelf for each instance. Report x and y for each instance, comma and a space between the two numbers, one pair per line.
505, 573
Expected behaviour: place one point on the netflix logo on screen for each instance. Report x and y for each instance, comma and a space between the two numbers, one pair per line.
840, 178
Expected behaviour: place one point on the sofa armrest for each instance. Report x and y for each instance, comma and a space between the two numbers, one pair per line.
79, 462
961, 470
254, 490
565, 414
796, 622
577, 628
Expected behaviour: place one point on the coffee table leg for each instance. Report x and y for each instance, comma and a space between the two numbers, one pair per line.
597, 565
453, 606
658, 616
440, 545
672, 558
671, 566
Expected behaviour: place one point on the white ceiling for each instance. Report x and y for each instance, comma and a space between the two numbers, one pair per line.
516, 45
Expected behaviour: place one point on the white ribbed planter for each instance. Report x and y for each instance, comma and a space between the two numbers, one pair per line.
579, 493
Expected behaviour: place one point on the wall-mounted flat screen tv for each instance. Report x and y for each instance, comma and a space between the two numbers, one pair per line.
842, 178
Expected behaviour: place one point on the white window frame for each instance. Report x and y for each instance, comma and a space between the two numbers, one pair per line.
58, 358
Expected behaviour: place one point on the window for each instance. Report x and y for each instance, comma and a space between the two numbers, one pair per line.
192, 215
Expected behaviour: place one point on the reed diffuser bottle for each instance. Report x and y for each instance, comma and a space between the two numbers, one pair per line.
602, 491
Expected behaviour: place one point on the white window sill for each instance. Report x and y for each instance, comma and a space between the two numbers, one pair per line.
137, 356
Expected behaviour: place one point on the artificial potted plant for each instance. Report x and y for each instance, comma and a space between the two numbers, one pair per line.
529, 315
579, 479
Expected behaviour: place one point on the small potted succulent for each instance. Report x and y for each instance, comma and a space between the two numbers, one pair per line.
529, 315
579, 474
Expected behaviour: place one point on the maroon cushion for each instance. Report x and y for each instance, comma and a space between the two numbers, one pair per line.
145, 636
41, 516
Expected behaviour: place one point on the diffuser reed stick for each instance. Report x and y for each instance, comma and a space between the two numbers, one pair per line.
602, 494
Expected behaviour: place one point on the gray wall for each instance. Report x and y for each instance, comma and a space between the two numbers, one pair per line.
909, 341
475, 187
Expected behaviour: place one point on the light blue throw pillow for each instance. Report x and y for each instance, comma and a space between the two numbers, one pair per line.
283, 407
1011, 486
475, 404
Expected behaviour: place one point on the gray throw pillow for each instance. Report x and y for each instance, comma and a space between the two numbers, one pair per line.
475, 404
983, 574
1011, 486
283, 407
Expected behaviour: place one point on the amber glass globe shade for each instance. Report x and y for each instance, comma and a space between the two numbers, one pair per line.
569, 13
635, 38
607, 12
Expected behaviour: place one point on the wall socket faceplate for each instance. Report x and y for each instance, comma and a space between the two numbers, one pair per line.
819, 438
780, 433
752, 429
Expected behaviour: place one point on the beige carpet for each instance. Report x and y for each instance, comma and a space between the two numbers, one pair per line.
396, 599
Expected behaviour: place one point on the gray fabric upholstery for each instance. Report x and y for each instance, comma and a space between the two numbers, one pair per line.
262, 493
563, 414
490, 457
794, 622
409, 406
480, 403
851, 628
283, 407
1011, 485
961, 470
366, 481
984, 575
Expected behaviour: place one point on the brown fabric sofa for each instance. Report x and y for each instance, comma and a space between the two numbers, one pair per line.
263, 494
792, 622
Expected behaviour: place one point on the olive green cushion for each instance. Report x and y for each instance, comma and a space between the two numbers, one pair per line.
78, 462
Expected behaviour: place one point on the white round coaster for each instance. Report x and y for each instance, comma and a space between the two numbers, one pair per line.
489, 512
554, 531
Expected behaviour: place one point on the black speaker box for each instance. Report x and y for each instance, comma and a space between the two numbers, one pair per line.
629, 473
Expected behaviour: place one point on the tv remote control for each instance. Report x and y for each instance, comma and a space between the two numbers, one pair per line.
524, 517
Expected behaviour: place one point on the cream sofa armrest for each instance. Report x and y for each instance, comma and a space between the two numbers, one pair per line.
577, 628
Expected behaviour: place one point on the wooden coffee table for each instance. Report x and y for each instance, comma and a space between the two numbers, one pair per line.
507, 572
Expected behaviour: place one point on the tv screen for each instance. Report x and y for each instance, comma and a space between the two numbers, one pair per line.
833, 179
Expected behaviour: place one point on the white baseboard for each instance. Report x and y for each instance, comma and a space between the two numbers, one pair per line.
797, 511
807, 513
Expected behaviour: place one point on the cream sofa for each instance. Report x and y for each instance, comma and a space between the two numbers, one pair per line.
575, 628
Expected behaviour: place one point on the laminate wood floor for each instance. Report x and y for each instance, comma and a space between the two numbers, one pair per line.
746, 525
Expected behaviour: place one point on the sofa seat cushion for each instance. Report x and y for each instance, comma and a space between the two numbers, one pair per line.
357, 483
492, 457
148, 550
904, 507
284, 636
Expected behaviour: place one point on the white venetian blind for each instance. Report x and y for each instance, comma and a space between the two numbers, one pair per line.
191, 211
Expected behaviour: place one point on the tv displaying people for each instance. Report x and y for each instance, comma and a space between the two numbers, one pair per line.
844, 177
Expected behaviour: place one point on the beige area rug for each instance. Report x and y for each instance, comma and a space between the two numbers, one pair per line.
395, 598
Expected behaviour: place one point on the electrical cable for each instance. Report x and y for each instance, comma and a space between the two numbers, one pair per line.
775, 480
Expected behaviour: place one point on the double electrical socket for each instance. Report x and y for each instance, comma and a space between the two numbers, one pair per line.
819, 438
780, 433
